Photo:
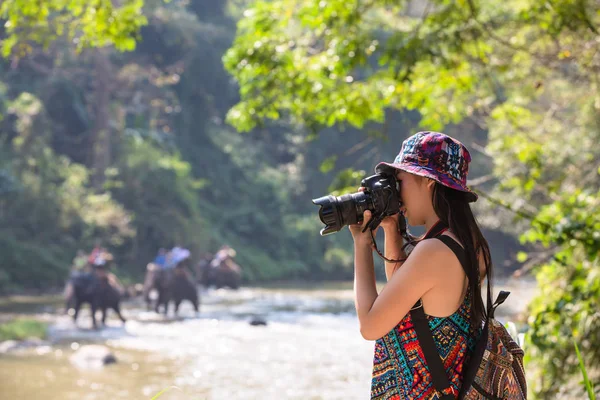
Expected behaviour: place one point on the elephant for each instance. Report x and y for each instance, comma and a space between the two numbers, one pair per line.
99, 291
227, 274
183, 288
173, 284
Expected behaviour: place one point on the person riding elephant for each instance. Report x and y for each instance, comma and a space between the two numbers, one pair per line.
229, 274
222, 270
172, 283
98, 290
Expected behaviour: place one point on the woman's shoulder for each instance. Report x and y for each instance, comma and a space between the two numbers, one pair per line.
432, 249
434, 244
436, 262
440, 247
453, 237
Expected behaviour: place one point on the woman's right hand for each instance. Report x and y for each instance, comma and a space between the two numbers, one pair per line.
390, 223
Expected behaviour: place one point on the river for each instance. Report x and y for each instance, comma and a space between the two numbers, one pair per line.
310, 348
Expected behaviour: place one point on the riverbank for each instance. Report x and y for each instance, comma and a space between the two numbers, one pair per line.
23, 328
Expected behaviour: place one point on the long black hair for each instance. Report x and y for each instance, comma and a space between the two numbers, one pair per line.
453, 209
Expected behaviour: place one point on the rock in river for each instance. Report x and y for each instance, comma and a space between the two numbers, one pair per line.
92, 356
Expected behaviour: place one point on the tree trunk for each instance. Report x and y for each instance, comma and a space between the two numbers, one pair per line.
101, 134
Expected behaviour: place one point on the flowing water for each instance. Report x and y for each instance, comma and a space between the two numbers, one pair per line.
310, 348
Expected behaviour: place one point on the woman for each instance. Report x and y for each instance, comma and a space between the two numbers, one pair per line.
432, 173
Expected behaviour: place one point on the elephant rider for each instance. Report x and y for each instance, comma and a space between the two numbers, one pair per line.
175, 256
179, 258
95, 253
161, 258
223, 254
166, 262
101, 266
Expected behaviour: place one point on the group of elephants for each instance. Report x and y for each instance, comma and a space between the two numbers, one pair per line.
171, 285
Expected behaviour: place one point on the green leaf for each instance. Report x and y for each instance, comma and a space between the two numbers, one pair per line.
522, 256
589, 387
328, 164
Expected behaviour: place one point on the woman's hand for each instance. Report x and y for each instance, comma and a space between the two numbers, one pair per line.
362, 238
389, 223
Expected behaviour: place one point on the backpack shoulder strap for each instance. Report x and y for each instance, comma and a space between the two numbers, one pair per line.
419, 319
456, 249
432, 357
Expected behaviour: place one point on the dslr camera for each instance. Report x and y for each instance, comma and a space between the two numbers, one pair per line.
381, 196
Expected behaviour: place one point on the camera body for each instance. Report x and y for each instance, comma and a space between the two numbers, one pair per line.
381, 196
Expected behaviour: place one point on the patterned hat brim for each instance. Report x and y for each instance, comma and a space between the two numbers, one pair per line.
427, 173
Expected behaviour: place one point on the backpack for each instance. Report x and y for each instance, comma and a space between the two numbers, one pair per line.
495, 369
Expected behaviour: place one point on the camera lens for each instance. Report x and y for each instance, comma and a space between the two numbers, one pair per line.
337, 212
328, 214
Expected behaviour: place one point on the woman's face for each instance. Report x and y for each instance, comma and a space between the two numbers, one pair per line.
416, 192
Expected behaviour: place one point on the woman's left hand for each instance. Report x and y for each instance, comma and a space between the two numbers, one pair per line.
360, 237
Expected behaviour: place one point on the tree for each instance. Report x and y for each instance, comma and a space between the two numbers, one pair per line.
526, 71
49, 211
87, 23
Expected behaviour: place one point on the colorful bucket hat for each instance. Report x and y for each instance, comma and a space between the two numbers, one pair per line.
437, 156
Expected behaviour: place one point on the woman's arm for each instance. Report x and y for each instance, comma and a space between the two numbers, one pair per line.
379, 313
365, 289
393, 249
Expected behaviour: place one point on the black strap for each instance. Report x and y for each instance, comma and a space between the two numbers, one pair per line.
456, 249
432, 357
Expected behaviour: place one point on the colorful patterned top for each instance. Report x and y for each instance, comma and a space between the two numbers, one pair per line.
399, 368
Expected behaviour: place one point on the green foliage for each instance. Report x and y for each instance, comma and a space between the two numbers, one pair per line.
86, 23
51, 212
346, 181
22, 328
525, 70
157, 187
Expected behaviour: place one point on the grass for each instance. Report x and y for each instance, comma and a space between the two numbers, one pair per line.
23, 328
165, 390
589, 387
